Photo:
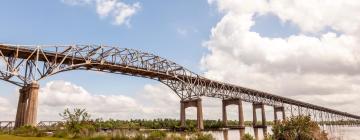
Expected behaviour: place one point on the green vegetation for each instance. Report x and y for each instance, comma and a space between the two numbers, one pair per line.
78, 126
12, 137
298, 128
170, 124
247, 136
202, 136
27, 131
77, 123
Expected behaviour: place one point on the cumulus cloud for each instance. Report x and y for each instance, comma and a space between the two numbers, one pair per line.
7, 109
311, 16
4, 104
76, 2
151, 102
119, 11
312, 68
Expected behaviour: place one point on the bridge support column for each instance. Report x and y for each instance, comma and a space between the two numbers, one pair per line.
20, 114
233, 101
263, 117
192, 103
276, 110
27, 106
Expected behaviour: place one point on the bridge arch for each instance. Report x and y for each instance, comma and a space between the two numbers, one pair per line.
36, 63
25, 65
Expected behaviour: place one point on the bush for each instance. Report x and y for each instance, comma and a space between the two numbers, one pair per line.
78, 122
298, 127
156, 135
202, 136
2, 131
247, 136
120, 137
61, 134
139, 137
27, 131
176, 137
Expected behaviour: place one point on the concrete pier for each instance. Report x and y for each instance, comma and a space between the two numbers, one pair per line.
192, 103
263, 118
27, 106
233, 101
276, 110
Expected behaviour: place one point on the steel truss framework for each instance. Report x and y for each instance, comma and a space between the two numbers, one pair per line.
22, 65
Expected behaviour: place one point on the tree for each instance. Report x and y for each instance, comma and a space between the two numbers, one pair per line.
298, 128
77, 122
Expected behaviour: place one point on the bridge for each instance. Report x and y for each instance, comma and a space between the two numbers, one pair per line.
25, 65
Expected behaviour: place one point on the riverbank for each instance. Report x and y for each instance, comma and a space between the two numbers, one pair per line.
12, 137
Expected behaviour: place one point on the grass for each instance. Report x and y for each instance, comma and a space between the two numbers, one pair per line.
11, 137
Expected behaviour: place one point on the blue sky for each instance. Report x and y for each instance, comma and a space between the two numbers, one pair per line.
174, 30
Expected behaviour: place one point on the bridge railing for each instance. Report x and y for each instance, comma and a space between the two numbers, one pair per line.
7, 126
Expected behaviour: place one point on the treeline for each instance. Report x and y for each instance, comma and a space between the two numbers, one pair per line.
78, 125
171, 124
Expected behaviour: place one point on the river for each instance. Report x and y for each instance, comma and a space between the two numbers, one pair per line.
338, 133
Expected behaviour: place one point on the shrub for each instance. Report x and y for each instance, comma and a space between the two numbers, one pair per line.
202, 136
78, 122
120, 137
247, 136
156, 135
2, 131
298, 127
176, 137
139, 137
27, 131
269, 137
61, 134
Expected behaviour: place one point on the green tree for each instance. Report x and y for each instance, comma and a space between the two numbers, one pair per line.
298, 128
77, 122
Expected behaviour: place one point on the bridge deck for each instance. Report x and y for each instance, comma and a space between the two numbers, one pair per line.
122, 68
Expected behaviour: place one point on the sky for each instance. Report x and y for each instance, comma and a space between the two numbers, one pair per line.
306, 50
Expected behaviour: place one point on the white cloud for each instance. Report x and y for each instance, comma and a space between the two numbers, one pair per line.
182, 31
310, 15
104, 7
58, 95
76, 2
186, 31
123, 12
4, 104
315, 15
7, 109
305, 67
119, 11
152, 101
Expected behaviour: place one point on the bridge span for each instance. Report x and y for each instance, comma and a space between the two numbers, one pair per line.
25, 65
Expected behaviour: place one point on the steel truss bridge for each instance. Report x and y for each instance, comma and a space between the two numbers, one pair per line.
25, 65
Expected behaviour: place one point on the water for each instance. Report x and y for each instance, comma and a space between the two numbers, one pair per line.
334, 133
236, 134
